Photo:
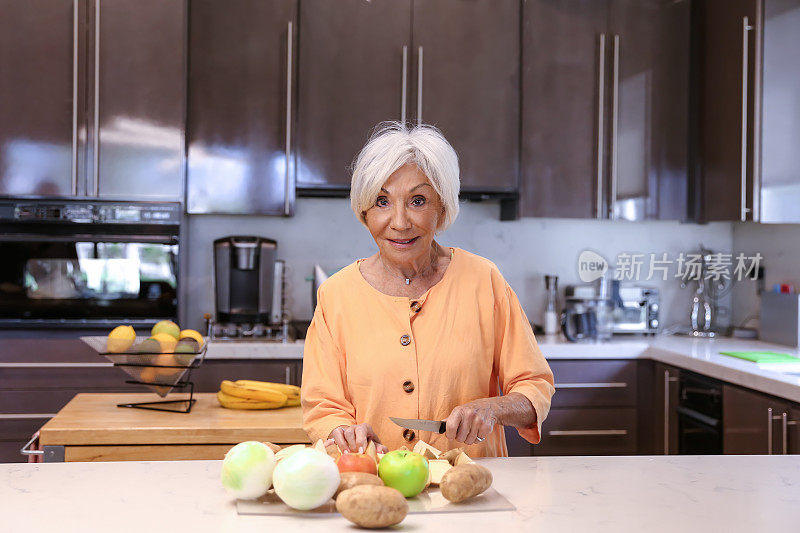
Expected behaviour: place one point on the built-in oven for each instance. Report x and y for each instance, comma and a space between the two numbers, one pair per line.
88, 264
699, 415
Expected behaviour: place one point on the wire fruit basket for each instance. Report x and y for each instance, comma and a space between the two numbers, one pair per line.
161, 372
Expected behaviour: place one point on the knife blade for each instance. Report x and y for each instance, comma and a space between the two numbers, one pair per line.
434, 426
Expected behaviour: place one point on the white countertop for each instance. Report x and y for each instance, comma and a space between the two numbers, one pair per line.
698, 355
554, 494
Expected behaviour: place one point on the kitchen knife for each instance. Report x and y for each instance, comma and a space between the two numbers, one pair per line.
434, 426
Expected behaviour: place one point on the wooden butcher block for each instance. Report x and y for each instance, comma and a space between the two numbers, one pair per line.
92, 428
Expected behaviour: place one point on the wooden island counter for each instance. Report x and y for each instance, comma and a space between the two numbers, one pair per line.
92, 428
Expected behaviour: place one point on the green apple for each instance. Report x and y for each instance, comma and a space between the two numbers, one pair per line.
405, 471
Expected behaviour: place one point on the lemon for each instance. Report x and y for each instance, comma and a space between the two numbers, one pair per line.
120, 339
167, 342
192, 334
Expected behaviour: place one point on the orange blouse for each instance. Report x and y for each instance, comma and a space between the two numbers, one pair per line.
369, 355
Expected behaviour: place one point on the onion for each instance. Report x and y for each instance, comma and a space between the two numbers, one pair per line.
247, 470
306, 479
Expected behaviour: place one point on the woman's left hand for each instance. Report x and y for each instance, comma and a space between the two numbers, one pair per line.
471, 422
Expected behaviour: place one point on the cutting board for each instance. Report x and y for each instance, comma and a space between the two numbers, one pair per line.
764, 357
429, 501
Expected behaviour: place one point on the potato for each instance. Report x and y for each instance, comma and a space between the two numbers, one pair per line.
465, 481
463, 459
450, 455
437, 469
426, 450
348, 480
333, 451
372, 506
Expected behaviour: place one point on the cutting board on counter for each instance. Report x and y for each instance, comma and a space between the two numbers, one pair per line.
429, 501
764, 357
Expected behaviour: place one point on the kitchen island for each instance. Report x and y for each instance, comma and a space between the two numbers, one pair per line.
653, 494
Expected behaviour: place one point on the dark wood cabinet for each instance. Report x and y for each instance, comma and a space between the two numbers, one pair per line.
138, 95
208, 376
605, 109
73, 70
354, 72
39, 48
466, 82
730, 51
563, 84
242, 83
664, 413
450, 63
752, 422
594, 410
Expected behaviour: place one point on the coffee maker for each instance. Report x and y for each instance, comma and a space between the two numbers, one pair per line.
248, 289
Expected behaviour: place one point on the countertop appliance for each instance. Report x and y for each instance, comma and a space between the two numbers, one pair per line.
699, 415
88, 264
636, 307
248, 290
779, 318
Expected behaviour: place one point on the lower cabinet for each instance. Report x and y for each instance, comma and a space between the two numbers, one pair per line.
755, 423
207, 377
594, 410
660, 422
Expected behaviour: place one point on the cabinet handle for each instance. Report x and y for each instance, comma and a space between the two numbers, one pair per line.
286, 204
56, 365
75, 98
590, 385
419, 85
587, 432
96, 151
784, 428
614, 127
287, 375
770, 418
667, 381
25, 416
746, 27
404, 85
601, 74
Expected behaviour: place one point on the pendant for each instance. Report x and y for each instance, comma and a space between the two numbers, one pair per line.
408, 281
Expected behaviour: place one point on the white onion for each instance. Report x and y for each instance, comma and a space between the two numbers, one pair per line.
247, 470
306, 479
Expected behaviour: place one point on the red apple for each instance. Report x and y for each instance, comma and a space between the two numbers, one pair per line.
357, 462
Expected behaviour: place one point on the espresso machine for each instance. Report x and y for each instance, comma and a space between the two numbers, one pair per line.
248, 290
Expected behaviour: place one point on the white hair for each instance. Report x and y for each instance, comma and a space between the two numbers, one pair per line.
392, 145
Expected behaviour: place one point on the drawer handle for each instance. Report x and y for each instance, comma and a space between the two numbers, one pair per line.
590, 385
25, 416
55, 365
587, 432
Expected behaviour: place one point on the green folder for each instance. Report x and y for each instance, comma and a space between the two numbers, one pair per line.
764, 357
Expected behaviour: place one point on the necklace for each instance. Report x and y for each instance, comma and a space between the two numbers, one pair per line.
407, 279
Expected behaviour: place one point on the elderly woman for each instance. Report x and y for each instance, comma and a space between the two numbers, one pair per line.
419, 330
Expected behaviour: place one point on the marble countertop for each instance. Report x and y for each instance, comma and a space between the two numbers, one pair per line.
696, 354
599, 494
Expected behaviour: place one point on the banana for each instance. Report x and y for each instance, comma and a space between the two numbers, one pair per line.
234, 402
292, 391
250, 393
292, 402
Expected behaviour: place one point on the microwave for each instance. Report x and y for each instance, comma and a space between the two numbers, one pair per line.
88, 264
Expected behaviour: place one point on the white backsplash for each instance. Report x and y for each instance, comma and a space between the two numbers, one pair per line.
325, 231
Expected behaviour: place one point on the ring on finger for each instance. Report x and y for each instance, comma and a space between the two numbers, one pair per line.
480, 439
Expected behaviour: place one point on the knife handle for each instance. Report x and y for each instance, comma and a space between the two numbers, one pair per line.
442, 426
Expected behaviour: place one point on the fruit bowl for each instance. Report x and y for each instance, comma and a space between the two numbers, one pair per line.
145, 362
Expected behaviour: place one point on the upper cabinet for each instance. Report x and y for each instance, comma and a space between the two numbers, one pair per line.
750, 117
354, 72
450, 63
605, 106
241, 127
92, 98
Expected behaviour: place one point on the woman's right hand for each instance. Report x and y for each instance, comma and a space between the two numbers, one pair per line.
355, 438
